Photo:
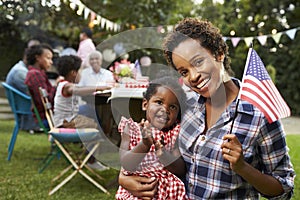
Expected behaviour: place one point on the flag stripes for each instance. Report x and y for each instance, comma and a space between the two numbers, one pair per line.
258, 89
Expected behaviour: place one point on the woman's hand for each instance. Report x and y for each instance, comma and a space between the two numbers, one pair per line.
138, 186
233, 152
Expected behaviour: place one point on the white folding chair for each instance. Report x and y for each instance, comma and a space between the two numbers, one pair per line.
63, 138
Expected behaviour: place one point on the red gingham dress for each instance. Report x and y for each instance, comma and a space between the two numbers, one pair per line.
169, 186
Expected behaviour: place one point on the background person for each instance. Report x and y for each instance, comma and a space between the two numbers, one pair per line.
66, 100
94, 76
254, 159
39, 60
86, 46
15, 78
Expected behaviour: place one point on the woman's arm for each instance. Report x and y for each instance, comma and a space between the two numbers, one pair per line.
138, 186
264, 183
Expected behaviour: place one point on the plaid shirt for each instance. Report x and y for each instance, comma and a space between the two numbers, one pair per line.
36, 78
209, 175
169, 185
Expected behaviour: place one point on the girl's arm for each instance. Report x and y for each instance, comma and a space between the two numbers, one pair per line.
130, 159
70, 89
172, 161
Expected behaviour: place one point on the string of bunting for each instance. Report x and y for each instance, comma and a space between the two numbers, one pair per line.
263, 38
95, 19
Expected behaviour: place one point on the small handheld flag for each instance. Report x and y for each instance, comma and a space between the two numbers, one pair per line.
258, 89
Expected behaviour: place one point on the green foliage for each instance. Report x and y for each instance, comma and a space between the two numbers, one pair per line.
272, 72
24, 19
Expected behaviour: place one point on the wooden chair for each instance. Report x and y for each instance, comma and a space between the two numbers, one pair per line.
64, 138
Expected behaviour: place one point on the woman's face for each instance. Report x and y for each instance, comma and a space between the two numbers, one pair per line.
200, 70
44, 60
162, 109
96, 62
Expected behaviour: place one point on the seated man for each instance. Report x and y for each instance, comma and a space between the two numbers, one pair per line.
94, 76
15, 78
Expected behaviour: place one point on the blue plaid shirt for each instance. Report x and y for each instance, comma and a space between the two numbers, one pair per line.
264, 147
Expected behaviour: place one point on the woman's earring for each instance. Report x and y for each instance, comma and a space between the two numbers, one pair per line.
226, 77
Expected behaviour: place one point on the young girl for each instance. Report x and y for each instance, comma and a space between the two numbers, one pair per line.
149, 148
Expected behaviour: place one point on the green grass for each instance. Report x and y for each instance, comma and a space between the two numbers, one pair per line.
19, 178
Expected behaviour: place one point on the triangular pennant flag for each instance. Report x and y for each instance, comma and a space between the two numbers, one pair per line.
72, 6
80, 9
291, 33
86, 12
262, 39
248, 41
103, 22
98, 19
277, 37
235, 41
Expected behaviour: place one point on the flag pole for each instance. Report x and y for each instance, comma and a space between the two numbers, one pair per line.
238, 97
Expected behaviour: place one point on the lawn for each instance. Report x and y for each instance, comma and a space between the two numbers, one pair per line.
19, 178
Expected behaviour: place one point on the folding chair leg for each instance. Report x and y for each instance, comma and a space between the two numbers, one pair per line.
63, 182
46, 161
78, 169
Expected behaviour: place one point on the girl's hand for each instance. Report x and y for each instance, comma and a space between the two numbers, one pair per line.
233, 152
146, 133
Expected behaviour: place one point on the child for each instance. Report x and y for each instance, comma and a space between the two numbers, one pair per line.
66, 97
149, 149
66, 100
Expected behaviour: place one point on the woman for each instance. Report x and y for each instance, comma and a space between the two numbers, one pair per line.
39, 60
250, 161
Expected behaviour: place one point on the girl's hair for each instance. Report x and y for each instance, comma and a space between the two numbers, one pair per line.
68, 63
172, 84
36, 50
204, 32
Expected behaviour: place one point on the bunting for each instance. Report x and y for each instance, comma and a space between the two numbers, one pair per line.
95, 19
291, 33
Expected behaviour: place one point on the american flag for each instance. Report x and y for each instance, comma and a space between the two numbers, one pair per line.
258, 89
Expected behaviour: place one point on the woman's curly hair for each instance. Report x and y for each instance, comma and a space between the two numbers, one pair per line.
203, 31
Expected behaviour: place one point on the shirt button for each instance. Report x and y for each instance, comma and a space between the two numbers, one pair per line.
203, 137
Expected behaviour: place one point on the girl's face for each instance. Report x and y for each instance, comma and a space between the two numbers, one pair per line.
96, 62
200, 70
45, 59
162, 109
